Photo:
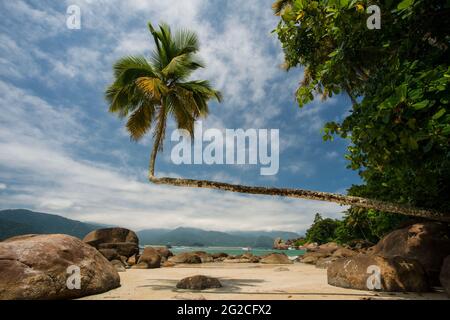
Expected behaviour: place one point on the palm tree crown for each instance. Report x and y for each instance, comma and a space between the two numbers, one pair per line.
148, 92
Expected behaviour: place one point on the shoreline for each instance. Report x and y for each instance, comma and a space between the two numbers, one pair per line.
242, 281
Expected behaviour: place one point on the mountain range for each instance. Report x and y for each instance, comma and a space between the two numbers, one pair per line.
198, 237
20, 221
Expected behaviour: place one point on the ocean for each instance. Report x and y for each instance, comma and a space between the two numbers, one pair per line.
236, 250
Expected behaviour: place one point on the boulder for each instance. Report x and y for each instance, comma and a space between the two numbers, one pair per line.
359, 244
220, 259
111, 235
276, 258
247, 255
186, 257
132, 260
205, 257
254, 259
151, 257
344, 253
168, 264
109, 254
427, 242
219, 255
41, 266
312, 257
397, 274
329, 247
445, 275
324, 263
199, 283
124, 241
118, 265
164, 252
126, 249
124, 261
310, 246
141, 265
279, 244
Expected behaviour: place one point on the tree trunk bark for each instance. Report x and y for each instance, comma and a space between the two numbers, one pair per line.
159, 134
307, 194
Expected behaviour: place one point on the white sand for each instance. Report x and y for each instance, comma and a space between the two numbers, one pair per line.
242, 281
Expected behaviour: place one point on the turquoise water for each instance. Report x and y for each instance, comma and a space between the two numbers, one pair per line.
236, 251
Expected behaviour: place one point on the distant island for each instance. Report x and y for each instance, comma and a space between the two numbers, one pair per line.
20, 221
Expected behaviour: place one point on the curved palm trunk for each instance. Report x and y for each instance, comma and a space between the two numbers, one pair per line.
307, 194
159, 136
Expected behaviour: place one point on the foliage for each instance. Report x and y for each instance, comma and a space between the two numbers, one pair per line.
300, 242
398, 78
369, 225
357, 224
322, 230
147, 92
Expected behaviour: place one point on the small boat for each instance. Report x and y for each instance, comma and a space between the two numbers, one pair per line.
246, 249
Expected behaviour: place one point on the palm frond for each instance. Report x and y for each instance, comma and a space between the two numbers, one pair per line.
203, 89
186, 42
279, 5
153, 88
140, 121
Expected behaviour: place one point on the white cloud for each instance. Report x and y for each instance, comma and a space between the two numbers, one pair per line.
46, 149
48, 177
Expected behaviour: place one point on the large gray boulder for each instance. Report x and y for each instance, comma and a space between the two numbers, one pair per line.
151, 257
428, 243
396, 274
40, 267
125, 242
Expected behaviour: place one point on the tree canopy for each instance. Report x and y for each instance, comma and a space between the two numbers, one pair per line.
398, 79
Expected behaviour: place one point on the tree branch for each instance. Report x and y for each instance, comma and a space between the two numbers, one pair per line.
307, 194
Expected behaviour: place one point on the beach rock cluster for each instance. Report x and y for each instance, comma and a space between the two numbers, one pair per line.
53, 267
322, 256
408, 259
117, 245
151, 258
280, 244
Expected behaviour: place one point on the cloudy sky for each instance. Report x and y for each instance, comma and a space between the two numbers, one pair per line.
62, 152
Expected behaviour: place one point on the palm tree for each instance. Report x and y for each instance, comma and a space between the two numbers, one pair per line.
148, 92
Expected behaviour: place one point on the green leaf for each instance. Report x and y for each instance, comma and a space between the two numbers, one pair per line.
413, 143
331, 55
401, 92
439, 114
405, 4
420, 105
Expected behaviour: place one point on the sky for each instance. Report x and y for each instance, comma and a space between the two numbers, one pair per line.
62, 152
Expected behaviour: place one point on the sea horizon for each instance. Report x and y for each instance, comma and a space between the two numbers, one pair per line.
229, 250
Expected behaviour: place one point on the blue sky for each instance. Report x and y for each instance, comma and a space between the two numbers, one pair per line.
62, 152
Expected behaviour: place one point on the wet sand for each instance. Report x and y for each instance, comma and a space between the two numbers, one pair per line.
242, 282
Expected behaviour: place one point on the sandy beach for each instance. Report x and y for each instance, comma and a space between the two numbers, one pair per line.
244, 282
